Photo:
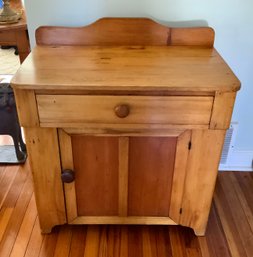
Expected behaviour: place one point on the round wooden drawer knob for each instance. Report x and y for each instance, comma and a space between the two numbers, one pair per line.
122, 110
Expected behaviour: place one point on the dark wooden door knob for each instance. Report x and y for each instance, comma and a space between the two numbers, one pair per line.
67, 176
122, 110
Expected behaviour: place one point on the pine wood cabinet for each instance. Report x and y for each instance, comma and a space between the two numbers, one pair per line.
125, 134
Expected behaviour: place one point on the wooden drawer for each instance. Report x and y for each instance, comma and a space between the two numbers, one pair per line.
66, 109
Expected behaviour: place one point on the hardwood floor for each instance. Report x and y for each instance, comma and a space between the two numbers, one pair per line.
229, 232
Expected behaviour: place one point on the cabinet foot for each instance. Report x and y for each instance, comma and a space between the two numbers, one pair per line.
46, 230
199, 232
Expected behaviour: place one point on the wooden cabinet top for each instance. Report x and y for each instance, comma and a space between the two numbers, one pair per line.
170, 68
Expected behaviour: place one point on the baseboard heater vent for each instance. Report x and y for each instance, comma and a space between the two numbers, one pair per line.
229, 143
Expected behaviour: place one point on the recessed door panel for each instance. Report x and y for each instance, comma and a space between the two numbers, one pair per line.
151, 165
96, 175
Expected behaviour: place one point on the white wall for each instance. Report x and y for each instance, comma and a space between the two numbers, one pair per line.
231, 19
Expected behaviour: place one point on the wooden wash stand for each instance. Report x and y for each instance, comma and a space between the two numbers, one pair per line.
124, 121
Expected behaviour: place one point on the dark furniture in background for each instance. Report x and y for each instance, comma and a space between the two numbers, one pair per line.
9, 124
16, 34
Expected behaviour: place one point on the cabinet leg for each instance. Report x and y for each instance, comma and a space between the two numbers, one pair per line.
46, 170
46, 230
199, 232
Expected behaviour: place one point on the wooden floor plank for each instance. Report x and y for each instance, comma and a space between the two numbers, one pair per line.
177, 244
35, 242
78, 241
5, 214
6, 182
236, 208
63, 243
49, 243
16, 219
153, 234
135, 241
245, 181
191, 243
25, 230
242, 199
2, 172
229, 231
123, 241
92, 241
20, 178
147, 243
160, 245
216, 237
103, 242
204, 247
228, 223
114, 238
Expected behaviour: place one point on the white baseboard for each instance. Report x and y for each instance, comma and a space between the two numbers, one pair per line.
238, 161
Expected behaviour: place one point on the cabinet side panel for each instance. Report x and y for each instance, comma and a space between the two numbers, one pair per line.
203, 161
96, 175
45, 163
151, 164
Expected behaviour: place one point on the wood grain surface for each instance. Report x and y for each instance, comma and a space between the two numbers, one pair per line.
173, 68
46, 167
96, 170
55, 109
124, 31
151, 168
65, 147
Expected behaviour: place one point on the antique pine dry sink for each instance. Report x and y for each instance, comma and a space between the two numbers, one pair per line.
124, 121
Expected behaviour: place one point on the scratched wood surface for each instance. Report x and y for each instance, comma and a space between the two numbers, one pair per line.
168, 68
229, 232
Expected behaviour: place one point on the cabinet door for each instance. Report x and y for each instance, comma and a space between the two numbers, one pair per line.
126, 179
